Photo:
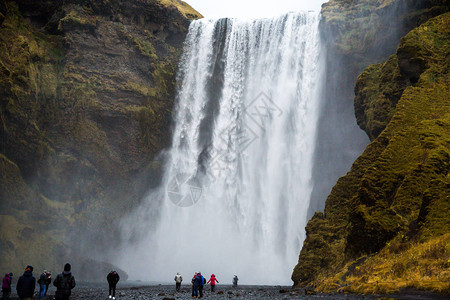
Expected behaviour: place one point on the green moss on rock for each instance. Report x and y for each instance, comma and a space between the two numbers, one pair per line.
398, 188
358, 26
377, 91
77, 16
86, 94
184, 8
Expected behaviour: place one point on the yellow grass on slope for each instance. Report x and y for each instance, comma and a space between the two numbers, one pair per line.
423, 266
184, 8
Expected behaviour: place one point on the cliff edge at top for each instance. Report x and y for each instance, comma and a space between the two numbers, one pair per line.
187, 10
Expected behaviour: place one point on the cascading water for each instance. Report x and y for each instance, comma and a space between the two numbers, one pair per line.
237, 181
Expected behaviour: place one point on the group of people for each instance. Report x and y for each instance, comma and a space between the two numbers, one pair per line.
64, 284
26, 284
198, 282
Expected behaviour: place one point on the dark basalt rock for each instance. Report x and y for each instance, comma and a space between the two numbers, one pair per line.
410, 62
2, 11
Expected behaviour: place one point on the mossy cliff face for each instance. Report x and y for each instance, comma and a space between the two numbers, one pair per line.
368, 30
355, 34
86, 94
386, 223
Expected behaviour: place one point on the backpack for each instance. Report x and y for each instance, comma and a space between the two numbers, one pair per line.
66, 284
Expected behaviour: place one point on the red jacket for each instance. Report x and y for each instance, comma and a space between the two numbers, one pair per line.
213, 280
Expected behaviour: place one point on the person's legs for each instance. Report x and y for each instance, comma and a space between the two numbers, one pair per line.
110, 288
46, 290
6, 293
195, 291
114, 290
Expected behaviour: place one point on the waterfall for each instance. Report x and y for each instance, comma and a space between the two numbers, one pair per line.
237, 181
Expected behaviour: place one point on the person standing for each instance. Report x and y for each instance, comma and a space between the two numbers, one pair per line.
235, 280
42, 286
113, 278
64, 283
197, 282
6, 286
192, 284
202, 284
48, 280
178, 279
26, 284
212, 281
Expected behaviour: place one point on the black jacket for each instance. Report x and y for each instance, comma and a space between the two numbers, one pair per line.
26, 284
45, 279
64, 283
113, 278
48, 279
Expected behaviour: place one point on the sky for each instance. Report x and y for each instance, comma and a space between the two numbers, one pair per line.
249, 9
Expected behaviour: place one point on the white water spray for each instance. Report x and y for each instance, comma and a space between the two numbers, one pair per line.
244, 138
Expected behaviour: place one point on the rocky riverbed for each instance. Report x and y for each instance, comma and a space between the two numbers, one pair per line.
165, 292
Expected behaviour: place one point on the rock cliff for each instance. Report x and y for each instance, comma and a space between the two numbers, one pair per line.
386, 223
86, 91
355, 34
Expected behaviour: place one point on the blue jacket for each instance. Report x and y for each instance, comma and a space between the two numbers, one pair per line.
203, 280
26, 284
198, 281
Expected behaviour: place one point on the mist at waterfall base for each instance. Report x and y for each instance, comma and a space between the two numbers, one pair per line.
243, 144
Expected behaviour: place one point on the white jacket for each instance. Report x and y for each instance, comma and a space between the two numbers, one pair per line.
178, 278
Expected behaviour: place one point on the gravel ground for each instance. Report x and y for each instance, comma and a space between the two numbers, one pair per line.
222, 292
166, 292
